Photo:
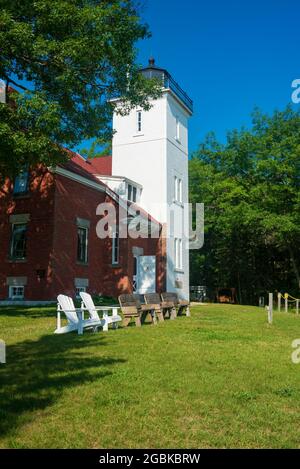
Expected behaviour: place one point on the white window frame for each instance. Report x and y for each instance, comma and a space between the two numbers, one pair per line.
139, 124
175, 188
177, 127
178, 189
115, 253
135, 275
178, 253
12, 241
132, 193
13, 296
86, 259
78, 290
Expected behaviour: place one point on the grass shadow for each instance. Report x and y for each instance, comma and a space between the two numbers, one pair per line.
37, 372
28, 312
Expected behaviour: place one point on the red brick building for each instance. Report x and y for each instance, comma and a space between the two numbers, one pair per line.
48, 239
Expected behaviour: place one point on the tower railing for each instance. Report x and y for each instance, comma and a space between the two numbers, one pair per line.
170, 83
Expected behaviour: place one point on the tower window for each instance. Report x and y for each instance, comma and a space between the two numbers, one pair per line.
177, 134
180, 190
177, 189
178, 253
139, 121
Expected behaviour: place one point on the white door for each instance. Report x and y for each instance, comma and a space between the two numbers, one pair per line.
146, 274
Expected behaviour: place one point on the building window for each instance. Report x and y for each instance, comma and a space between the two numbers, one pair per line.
82, 245
18, 241
78, 290
139, 121
21, 183
177, 134
115, 248
178, 189
16, 292
178, 253
131, 193
135, 274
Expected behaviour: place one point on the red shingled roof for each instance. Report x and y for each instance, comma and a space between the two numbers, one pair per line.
89, 168
101, 165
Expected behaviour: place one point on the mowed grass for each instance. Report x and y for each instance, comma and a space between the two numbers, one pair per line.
222, 378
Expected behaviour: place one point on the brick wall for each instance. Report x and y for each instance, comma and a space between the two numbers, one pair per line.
39, 204
54, 203
71, 201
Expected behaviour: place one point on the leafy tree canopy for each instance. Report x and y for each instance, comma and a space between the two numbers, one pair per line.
67, 58
251, 190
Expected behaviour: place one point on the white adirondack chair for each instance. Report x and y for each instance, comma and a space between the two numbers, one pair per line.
75, 317
88, 304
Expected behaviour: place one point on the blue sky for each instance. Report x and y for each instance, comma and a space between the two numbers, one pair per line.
230, 56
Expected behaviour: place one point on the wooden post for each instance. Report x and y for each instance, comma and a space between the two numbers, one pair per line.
279, 302
286, 305
297, 306
270, 309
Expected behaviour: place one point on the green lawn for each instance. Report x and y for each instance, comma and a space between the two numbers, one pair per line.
222, 378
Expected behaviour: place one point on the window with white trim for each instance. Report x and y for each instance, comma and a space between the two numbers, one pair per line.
180, 190
177, 189
138, 121
18, 241
82, 244
135, 274
177, 134
78, 290
16, 292
131, 193
178, 253
115, 248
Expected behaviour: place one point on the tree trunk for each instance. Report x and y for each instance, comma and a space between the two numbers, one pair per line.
295, 267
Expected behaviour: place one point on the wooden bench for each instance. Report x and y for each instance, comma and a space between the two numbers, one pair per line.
181, 306
162, 309
133, 309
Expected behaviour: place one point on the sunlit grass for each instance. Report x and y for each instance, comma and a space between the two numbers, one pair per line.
222, 378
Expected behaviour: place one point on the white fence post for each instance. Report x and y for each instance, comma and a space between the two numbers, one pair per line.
297, 306
270, 308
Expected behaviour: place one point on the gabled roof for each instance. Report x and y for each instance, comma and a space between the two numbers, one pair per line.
88, 170
101, 165
77, 165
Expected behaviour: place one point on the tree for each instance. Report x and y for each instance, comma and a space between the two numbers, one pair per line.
67, 59
250, 187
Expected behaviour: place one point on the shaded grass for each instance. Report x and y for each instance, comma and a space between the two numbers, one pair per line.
222, 378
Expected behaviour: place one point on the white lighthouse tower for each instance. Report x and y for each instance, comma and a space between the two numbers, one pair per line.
150, 150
